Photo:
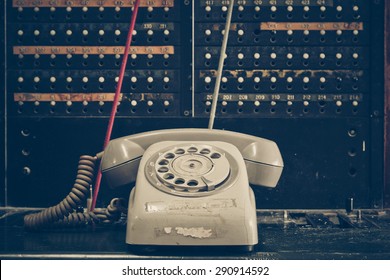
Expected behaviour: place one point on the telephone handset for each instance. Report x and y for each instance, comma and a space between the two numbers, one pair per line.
192, 185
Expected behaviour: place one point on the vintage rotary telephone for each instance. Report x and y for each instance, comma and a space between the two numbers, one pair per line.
192, 185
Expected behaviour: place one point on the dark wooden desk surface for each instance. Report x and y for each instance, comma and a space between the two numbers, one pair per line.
297, 234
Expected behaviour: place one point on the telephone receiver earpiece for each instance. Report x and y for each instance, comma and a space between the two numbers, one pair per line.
122, 156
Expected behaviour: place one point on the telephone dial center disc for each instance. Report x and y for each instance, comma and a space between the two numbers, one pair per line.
189, 169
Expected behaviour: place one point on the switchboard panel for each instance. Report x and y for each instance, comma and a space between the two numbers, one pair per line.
306, 74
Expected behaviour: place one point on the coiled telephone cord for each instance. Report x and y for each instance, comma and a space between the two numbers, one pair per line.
113, 211
65, 210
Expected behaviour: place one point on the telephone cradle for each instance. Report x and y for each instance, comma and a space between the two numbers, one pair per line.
192, 186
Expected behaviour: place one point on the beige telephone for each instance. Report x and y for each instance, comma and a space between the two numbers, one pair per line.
192, 185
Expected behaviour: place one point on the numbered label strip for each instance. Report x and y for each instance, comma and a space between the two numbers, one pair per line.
285, 97
285, 26
80, 97
64, 97
26, 50
91, 3
311, 26
328, 3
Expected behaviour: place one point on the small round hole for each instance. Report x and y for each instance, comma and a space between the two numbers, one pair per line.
205, 151
352, 152
215, 155
25, 132
352, 132
352, 172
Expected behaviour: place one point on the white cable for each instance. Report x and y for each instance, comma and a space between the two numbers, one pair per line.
220, 65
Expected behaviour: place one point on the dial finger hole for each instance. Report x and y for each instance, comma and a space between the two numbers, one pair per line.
163, 169
169, 155
192, 150
215, 155
163, 162
179, 151
192, 183
169, 176
179, 181
205, 151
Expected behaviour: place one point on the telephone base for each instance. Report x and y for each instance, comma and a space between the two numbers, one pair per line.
189, 250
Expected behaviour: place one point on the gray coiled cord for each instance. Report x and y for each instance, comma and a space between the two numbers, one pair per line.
65, 210
113, 212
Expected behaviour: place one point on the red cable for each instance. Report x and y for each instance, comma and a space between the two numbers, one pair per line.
116, 99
